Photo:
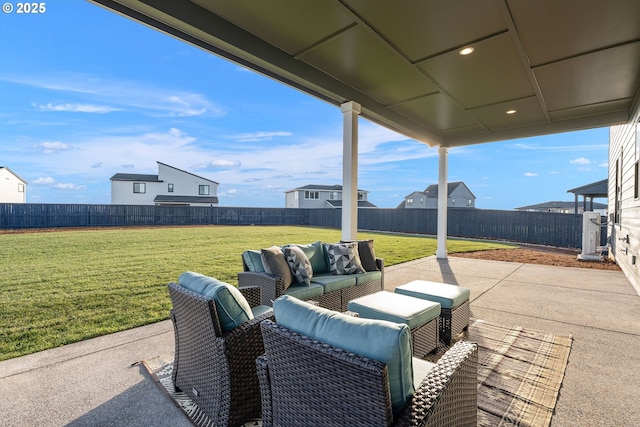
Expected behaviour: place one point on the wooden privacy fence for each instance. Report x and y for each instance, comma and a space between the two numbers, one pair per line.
552, 229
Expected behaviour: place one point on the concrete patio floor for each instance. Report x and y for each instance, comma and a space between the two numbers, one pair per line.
99, 382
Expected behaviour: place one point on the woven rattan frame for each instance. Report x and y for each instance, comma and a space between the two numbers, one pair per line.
454, 321
425, 338
216, 370
305, 382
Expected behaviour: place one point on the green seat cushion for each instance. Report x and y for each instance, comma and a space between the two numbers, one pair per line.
449, 296
369, 276
387, 342
316, 255
253, 261
233, 308
393, 307
304, 292
259, 310
333, 283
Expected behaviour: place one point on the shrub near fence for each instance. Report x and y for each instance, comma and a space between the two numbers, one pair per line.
552, 229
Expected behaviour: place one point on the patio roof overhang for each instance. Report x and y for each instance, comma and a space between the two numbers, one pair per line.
561, 65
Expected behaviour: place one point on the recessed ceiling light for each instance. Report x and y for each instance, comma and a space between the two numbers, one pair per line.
466, 51
511, 111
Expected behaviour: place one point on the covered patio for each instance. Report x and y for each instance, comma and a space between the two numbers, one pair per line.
101, 382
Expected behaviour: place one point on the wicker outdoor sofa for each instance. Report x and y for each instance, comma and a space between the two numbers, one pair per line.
308, 381
328, 289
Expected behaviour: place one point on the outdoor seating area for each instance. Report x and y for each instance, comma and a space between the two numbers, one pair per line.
329, 316
125, 378
223, 335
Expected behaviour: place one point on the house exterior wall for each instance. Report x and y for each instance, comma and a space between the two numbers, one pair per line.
183, 183
122, 192
297, 198
461, 198
624, 198
416, 200
12, 188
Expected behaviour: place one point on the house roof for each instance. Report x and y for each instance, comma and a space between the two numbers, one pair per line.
13, 173
187, 172
317, 187
151, 178
561, 65
595, 189
135, 177
432, 190
185, 199
558, 205
361, 204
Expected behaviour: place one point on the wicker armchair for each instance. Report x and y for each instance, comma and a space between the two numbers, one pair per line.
306, 382
217, 370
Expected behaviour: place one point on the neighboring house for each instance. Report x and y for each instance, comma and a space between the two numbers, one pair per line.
562, 207
13, 189
459, 196
172, 186
624, 197
322, 196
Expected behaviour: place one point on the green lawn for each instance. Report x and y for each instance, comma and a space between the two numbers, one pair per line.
63, 287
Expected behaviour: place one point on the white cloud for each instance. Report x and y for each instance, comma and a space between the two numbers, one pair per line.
257, 136
134, 95
50, 147
44, 181
221, 163
530, 174
78, 108
560, 148
51, 182
580, 161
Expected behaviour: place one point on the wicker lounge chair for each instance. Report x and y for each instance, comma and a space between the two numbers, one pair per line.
318, 384
217, 370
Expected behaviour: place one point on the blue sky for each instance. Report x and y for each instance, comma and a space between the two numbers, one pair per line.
86, 93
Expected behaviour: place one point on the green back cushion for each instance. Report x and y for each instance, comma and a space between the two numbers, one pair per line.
233, 308
316, 255
253, 261
387, 342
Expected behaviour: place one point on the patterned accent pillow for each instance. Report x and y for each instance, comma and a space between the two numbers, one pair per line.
300, 264
344, 258
367, 255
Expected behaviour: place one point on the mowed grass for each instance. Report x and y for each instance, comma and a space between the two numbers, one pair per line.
66, 286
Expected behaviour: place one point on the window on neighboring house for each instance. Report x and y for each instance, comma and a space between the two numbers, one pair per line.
409, 202
203, 190
139, 187
453, 201
311, 194
469, 202
333, 195
360, 196
170, 188
20, 187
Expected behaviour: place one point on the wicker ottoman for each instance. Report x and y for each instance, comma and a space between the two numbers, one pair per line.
420, 315
453, 299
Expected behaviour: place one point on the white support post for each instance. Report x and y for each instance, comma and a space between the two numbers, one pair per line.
443, 192
350, 113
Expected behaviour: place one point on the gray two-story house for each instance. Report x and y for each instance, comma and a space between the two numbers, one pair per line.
459, 196
322, 196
